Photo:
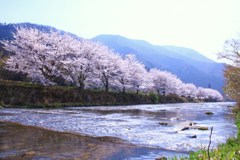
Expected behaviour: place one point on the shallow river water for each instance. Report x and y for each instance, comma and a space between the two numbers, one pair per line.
114, 132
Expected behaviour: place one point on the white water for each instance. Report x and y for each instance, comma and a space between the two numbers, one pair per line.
137, 124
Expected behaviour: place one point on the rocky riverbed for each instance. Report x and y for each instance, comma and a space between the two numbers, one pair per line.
146, 131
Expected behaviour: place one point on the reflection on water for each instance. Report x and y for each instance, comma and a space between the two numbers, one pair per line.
19, 142
137, 131
133, 112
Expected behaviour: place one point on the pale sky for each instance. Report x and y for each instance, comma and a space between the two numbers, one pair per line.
202, 25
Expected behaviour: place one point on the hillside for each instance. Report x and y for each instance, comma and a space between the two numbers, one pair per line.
189, 65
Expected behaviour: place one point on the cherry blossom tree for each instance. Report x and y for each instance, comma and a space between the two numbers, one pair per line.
159, 80
39, 54
188, 90
81, 65
209, 94
106, 67
137, 79
164, 82
124, 75
174, 84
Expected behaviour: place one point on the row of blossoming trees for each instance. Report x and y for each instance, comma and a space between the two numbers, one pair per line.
51, 58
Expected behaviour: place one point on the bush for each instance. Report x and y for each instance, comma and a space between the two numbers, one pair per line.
154, 97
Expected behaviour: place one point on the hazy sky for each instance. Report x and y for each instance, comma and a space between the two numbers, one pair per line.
203, 25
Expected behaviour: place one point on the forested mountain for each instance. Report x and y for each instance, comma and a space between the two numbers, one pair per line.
188, 64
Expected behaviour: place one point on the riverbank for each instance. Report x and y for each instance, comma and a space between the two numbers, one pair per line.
23, 94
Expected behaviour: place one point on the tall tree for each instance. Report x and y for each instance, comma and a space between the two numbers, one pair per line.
231, 53
81, 64
159, 80
165, 82
232, 79
124, 74
188, 90
137, 80
209, 94
106, 67
39, 54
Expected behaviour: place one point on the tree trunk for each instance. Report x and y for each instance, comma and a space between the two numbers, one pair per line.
81, 82
81, 87
164, 93
137, 89
106, 86
123, 90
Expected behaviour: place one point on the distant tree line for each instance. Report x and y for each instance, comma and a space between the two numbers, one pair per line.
54, 58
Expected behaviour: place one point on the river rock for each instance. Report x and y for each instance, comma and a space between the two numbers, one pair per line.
29, 153
201, 128
165, 124
209, 113
193, 136
187, 123
191, 125
175, 119
162, 110
161, 158
185, 128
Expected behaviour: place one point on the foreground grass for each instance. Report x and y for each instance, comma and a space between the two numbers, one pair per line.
227, 151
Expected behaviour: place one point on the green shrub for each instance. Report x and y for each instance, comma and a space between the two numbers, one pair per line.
154, 97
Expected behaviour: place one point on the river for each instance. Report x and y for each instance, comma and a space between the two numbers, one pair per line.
113, 132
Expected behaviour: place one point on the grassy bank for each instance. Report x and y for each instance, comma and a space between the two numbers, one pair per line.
22, 94
227, 151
